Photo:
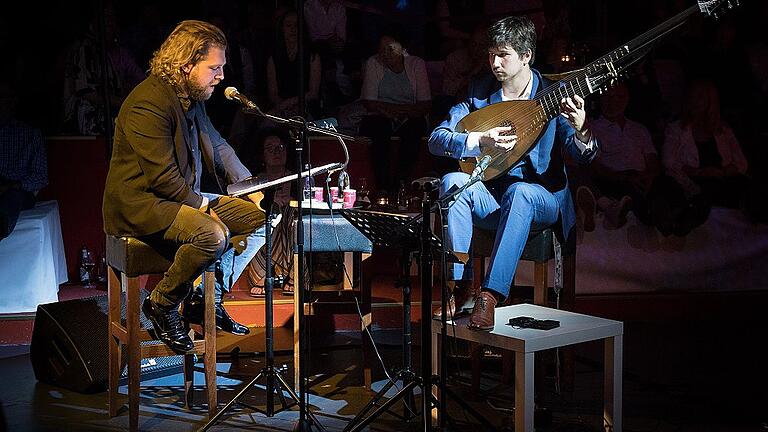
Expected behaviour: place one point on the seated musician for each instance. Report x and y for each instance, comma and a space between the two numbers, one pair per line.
163, 140
533, 194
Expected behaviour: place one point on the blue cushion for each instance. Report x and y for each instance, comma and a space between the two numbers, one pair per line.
333, 234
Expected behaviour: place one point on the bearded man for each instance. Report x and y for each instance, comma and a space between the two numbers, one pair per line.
163, 141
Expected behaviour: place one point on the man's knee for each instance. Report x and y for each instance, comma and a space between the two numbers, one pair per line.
457, 179
520, 193
213, 239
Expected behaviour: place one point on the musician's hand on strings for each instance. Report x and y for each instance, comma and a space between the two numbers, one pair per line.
497, 138
573, 111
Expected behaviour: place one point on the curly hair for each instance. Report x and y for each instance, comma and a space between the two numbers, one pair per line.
187, 44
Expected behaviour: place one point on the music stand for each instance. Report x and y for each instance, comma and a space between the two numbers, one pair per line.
249, 186
394, 230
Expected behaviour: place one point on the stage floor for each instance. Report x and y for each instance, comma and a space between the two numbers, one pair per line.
694, 373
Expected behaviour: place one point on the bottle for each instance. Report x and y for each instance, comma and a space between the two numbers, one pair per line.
86, 267
103, 270
402, 196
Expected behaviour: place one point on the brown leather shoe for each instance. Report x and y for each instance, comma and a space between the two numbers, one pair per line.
483, 315
461, 295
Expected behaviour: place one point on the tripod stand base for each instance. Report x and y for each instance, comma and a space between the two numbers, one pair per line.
272, 377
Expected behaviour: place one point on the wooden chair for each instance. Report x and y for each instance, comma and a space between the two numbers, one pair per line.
130, 258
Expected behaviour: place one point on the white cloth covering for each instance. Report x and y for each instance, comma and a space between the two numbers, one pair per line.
32, 260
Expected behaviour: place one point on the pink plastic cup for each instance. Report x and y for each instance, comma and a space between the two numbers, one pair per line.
350, 196
317, 193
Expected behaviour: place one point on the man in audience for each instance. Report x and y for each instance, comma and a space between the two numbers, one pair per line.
622, 174
23, 163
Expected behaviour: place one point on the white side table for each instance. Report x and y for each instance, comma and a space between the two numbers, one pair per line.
574, 328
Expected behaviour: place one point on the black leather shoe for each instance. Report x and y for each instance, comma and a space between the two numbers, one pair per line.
226, 323
168, 326
194, 308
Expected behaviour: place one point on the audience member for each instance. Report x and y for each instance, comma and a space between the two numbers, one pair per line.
397, 96
23, 163
86, 100
283, 71
238, 73
702, 155
457, 20
327, 27
273, 165
143, 32
622, 173
462, 66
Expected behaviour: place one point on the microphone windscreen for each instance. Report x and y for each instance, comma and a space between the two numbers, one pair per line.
230, 93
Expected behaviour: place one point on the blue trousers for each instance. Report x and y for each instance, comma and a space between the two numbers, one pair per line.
512, 210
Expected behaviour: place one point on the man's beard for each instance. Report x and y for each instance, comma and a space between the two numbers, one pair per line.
197, 92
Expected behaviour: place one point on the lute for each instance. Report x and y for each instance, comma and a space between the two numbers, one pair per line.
527, 118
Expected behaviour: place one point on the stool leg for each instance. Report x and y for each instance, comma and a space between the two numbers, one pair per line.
209, 325
134, 349
113, 299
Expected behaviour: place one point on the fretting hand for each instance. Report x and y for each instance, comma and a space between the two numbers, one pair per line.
573, 111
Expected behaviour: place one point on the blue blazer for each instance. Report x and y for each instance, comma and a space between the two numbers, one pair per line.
544, 164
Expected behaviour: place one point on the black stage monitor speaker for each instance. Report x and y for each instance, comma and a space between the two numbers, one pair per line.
69, 346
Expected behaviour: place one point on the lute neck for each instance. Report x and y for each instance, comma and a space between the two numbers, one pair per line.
600, 73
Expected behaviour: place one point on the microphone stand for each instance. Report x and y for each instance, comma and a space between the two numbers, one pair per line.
300, 127
442, 204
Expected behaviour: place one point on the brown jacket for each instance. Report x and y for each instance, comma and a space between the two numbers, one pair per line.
152, 169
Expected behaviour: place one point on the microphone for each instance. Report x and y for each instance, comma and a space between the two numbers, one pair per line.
326, 123
231, 93
480, 168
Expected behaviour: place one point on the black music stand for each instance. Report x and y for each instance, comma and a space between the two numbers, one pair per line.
394, 230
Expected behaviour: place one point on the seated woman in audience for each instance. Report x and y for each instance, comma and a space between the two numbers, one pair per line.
397, 97
703, 156
273, 166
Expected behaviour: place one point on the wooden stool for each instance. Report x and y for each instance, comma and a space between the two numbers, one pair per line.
132, 259
541, 247
356, 247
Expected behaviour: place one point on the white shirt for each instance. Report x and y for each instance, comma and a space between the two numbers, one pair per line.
622, 149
